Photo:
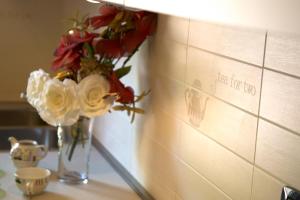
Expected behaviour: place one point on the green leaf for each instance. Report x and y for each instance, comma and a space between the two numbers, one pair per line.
138, 110
122, 71
140, 97
119, 108
18, 181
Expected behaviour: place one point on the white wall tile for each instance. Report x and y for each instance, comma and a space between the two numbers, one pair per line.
226, 170
167, 168
159, 191
168, 95
144, 162
209, 135
282, 52
265, 187
226, 124
239, 43
178, 197
172, 28
155, 162
150, 170
278, 152
192, 186
164, 129
117, 139
232, 81
168, 58
138, 78
280, 99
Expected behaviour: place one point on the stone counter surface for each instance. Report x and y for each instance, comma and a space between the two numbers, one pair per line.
104, 182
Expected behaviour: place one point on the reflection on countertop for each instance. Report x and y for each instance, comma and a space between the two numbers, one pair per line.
104, 182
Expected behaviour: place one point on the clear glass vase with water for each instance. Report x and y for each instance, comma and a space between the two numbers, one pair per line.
74, 151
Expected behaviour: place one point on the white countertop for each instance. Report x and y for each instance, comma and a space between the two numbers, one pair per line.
104, 183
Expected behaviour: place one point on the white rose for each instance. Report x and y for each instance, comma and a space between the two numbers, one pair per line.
91, 92
35, 86
59, 103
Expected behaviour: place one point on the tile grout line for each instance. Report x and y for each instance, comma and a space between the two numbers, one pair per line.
224, 101
179, 159
226, 57
217, 142
244, 62
259, 104
231, 104
205, 134
280, 126
186, 52
179, 134
207, 137
282, 73
230, 58
212, 183
207, 93
270, 174
166, 112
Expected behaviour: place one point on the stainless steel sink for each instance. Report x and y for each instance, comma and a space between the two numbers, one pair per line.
21, 121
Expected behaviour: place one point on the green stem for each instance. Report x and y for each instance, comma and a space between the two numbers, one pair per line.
128, 58
74, 143
89, 49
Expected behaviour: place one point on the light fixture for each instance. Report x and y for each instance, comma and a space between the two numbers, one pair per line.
93, 1
71, 32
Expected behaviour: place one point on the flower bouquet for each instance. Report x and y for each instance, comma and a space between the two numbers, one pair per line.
89, 63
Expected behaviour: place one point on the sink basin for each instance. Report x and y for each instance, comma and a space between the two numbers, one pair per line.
21, 121
43, 135
20, 118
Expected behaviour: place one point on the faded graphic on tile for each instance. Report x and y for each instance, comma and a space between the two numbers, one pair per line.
234, 82
196, 104
226, 124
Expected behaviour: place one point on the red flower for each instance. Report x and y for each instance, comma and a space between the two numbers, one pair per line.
145, 24
131, 41
107, 12
128, 41
70, 50
109, 48
126, 94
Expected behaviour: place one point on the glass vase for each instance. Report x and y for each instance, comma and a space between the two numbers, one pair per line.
74, 144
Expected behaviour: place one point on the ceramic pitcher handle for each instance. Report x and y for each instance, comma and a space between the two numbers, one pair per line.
44, 151
29, 188
187, 95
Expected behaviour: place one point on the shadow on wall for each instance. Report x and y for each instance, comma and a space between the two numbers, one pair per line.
156, 169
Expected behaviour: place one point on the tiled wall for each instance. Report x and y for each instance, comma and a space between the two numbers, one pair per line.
223, 117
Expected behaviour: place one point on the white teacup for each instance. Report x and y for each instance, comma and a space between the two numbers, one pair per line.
32, 180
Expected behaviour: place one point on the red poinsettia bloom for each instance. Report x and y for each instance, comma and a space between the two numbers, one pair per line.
109, 48
126, 94
108, 13
145, 24
126, 43
70, 50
